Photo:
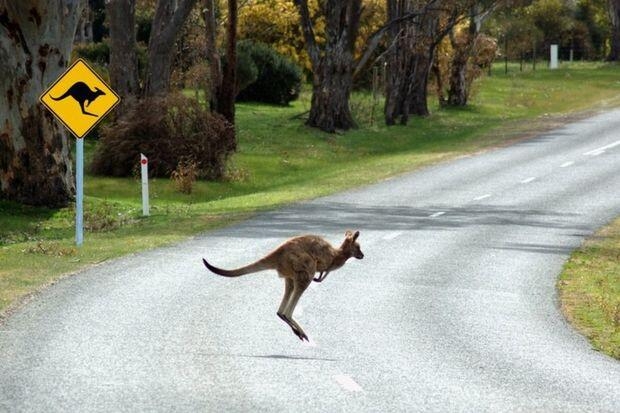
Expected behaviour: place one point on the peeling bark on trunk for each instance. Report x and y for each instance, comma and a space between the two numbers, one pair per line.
406, 91
458, 93
331, 90
227, 92
463, 46
35, 46
213, 56
123, 57
409, 63
332, 67
170, 16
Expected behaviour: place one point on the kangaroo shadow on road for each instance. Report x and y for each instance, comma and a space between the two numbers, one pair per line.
285, 357
274, 357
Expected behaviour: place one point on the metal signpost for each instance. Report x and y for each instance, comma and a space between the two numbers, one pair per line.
79, 191
79, 99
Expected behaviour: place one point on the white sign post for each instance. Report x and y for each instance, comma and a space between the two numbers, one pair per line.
144, 169
553, 64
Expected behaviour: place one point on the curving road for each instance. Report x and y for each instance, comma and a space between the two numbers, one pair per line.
454, 307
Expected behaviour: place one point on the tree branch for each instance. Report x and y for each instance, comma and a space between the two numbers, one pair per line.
375, 39
308, 30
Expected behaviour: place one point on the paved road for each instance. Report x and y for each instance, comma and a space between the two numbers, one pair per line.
454, 307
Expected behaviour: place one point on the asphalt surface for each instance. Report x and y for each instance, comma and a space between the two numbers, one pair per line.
453, 308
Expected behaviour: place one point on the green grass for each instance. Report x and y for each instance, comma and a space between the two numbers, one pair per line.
281, 161
590, 290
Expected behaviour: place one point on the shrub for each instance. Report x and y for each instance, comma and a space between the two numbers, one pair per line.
98, 53
279, 79
168, 130
247, 71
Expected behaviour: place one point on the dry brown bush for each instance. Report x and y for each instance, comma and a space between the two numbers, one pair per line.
168, 130
184, 176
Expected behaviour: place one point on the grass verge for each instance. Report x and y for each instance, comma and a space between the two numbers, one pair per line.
281, 161
589, 289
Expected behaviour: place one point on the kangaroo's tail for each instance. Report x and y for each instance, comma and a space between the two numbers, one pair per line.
259, 265
67, 93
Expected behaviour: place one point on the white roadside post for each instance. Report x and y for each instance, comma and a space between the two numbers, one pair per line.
144, 168
553, 63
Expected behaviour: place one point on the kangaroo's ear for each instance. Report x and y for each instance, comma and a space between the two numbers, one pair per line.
357, 234
348, 234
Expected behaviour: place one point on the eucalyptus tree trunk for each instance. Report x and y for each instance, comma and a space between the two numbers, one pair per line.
170, 15
409, 61
36, 37
458, 92
332, 82
227, 92
464, 46
332, 67
123, 56
212, 54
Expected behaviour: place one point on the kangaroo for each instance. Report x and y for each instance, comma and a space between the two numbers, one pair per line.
81, 92
297, 260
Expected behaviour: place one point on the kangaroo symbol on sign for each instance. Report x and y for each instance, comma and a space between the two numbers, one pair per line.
82, 94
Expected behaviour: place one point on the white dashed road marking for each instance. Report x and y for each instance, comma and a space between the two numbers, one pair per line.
347, 383
436, 214
565, 164
598, 151
528, 180
481, 197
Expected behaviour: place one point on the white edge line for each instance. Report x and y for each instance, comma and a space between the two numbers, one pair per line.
347, 383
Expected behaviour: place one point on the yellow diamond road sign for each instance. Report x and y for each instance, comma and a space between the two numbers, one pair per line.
79, 98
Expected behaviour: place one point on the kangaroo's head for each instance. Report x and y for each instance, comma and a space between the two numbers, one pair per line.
350, 246
98, 92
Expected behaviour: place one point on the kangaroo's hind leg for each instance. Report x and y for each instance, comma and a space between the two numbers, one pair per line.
84, 110
302, 281
288, 291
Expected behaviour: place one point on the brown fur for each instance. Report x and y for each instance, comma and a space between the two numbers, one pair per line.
297, 261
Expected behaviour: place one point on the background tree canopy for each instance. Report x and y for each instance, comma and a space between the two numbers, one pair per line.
151, 48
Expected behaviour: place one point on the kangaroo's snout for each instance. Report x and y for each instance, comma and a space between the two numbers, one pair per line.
359, 255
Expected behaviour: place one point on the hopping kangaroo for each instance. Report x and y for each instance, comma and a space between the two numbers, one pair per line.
297, 261
81, 92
